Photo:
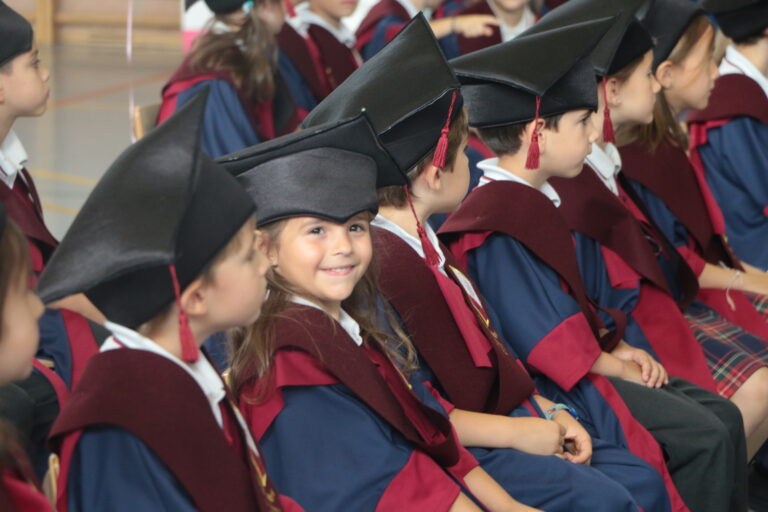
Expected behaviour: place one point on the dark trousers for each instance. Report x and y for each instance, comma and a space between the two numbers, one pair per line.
702, 436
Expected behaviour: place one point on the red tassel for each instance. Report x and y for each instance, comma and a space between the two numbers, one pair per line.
189, 350
532, 162
438, 160
608, 134
430, 254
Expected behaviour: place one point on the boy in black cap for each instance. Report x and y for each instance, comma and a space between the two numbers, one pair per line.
517, 246
729, 139
166, 247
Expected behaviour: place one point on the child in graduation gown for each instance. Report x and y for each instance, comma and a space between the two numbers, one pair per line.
733, 332
729, 138
150, 425
321, 386
515, 244
235, 59
515, 17
19, 311
67, 339
487, 384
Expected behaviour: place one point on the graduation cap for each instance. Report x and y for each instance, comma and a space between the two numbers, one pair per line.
16, 34
329, 171
224, 6
156, 219
532, 76
739, 19
626, 41
667, 20
409, 93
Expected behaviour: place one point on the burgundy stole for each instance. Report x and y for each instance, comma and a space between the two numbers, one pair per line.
126, 389
529, 217
381, 10
338, 61
23, 206
410, 288
472, 44
314, 332
593, 210
295, 47
668, 174
733, 96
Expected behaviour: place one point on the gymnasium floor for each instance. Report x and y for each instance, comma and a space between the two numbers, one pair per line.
87, 123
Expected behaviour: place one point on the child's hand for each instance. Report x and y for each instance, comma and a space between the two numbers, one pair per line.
578, 442
538, 436
653, 374
474, 25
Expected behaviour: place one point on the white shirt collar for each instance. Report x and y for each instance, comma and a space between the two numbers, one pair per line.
13, 157
510, 32
414, 242
205, 375
492, 172
736, 63
346, 322
607, 164
307, 17
409, 8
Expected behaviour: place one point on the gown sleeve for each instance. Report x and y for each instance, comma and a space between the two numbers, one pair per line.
113, 470
381, 36
541, 321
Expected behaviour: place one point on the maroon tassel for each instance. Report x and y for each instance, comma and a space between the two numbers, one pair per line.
189, 350
532, 162
438, 160
430, 254
608, 134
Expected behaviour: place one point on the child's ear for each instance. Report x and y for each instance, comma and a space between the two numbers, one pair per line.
613, 93
193, 298
430, 176
537, 125
665, 74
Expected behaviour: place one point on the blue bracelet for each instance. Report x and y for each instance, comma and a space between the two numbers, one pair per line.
552, 410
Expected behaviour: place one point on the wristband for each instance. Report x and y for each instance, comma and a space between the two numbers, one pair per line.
552, 410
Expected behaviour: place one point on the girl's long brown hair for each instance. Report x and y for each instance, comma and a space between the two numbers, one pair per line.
253, 347
665, 124
248, 54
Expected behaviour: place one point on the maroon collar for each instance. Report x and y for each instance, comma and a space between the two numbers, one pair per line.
734, 95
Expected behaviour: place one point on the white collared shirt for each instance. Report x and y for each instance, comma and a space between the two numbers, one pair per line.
305, 15
414, 242
510, 32
492, 172
607, 164
201, 370
350, 326
409, 8
734, 63
13, 157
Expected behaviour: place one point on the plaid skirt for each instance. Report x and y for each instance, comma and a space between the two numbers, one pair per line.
732, 353
760, 302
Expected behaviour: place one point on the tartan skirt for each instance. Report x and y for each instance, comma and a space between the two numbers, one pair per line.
732, 353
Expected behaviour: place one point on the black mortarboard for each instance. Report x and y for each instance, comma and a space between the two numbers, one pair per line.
15, 34
224, 6
667, 20
156, 219
408, 91
624, 42
329, 171
739, 19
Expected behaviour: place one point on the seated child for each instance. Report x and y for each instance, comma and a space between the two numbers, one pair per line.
516, 245
729, 138
515, 17
248, 101
150, 426
19, 311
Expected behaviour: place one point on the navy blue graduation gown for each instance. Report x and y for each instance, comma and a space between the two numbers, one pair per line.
295, 83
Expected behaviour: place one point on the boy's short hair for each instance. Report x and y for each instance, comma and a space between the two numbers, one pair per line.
395, 196
751, 39
507, 140
7, 68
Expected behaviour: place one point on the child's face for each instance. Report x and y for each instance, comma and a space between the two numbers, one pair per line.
689, 84
455, 182
511, 5
636, 96
334, 9
20, 334
272, 13
322, 259
566, 147
239, 283
24, 90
